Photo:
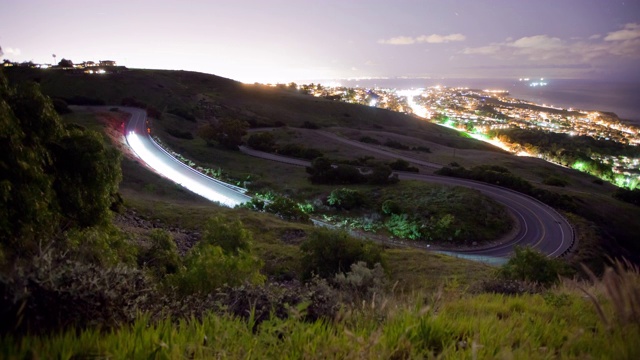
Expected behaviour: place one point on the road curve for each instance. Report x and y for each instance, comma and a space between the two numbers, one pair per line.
137, 136
538, 225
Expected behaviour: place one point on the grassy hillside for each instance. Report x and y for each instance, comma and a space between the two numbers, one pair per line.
169, 275
208, 97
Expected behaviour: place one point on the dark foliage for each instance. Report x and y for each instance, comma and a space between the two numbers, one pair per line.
403, 165
327, 252
263, 141
61, 106
187, 135
52, 177
183, 113
84, 100
310, 125
299, 151
369, 140
626, 195
532, 266
227, 132
346, 199
396, 145
47, 296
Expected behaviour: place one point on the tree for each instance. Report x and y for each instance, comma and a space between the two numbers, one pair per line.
87, 176
52, 177
227, 132
65, 63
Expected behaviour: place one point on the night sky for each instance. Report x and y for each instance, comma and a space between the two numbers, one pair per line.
293, 40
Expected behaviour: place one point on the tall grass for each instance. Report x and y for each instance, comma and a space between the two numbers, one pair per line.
559, 324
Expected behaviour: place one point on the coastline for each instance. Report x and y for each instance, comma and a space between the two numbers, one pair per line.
619, 98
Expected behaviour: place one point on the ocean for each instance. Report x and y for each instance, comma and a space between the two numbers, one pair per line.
622, 98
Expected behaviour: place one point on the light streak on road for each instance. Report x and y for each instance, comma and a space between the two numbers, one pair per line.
415, 107
160, 166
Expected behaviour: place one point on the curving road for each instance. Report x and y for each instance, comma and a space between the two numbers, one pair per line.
162, 162
538, 225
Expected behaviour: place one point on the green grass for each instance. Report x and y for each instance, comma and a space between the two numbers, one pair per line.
555, 325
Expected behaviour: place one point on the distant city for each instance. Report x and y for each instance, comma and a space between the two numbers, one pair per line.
483, 114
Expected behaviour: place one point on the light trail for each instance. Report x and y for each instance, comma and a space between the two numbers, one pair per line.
159, 165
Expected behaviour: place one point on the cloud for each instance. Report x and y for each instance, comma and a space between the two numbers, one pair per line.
1, 53
542, 50
428, 39
12, 51
482, 50
537, 42
399, 40
630, 31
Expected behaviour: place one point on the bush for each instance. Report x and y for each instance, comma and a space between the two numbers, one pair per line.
222, 257
403, 165
346, 199
230, 236
183, 113
630, 196
207, 268
327, 252
369, 140
299, 151
162, 256
61, 106
286, 209
179, 133
361, 283
53, 294
532, 266
396, 145
263, 141
310, 125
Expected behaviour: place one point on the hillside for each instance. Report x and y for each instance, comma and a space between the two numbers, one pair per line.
188, 100
101, 257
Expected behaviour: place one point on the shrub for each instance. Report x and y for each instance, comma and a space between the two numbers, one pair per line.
346, 199
263, 141
310, 125
403, 165
61, 106
630, 196
286, 209
361, 282
183, 113
530, 265
391, 207
162, 256
369, 140
207, 268
327, 252
55, 294
103, 245
401, 226
230, 236
179, 133
396, 145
